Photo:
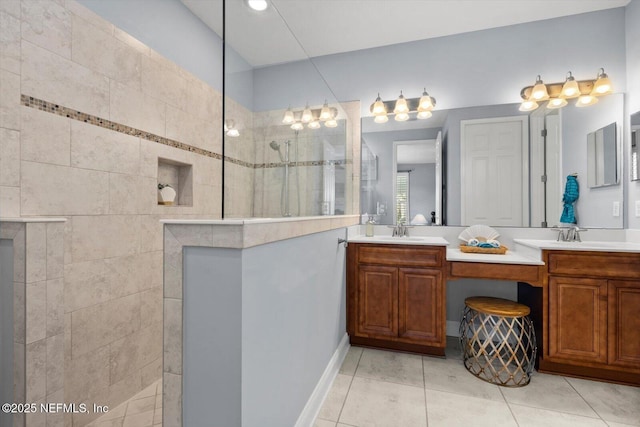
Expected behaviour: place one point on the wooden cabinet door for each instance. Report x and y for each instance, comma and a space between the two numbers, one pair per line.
578, 319
624, 323
420, 306
377, 305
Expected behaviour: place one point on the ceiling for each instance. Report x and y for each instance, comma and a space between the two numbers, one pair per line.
292, 30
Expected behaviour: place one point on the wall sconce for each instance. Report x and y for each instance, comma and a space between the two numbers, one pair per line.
230, 128
403, 108
311, 117
557, 94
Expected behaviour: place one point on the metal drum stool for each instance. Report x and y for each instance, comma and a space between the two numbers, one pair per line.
498, 341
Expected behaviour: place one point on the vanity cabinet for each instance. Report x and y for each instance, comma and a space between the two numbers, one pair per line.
396, 297
593, 324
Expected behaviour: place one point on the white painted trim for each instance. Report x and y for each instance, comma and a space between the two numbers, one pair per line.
453, 328
312, 408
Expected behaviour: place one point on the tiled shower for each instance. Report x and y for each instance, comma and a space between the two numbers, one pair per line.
91, 121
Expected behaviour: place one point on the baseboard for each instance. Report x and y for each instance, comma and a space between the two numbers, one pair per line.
312, 408
453, 328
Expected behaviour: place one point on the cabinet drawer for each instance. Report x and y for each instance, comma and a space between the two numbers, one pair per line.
609, 265
411, 256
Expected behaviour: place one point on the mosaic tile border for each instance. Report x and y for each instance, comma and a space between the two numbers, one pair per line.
50, 107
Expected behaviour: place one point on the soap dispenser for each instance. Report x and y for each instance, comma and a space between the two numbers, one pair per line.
370, 224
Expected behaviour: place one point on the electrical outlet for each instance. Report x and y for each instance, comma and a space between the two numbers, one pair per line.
616, 209
637, 208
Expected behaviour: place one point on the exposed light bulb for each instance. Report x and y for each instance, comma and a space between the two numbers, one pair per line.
297, 126
331, 123
230, 128
381, 119
424, 114
401, 105
314, 124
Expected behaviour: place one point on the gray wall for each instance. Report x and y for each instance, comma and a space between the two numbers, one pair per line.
381, 144
480, 68
6, 327
261, 325
169, 28
212, 335
293, 317
595, 205
632, 101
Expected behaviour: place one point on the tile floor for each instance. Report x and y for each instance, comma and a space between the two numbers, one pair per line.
383, 388
377, 388
142, 410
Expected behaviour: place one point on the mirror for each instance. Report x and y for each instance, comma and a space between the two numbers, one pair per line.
417, 178
562, 152
602, 159
635, 140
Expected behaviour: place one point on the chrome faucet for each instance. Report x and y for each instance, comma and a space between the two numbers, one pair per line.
569, 234
400, 230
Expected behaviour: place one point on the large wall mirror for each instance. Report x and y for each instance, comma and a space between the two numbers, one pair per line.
554, 146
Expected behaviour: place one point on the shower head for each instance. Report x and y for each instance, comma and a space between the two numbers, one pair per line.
275, 146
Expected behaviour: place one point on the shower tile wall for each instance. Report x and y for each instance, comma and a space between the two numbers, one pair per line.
269, 172
239, 173
102, 180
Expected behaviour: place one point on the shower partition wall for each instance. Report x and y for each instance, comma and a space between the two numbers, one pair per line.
270, 168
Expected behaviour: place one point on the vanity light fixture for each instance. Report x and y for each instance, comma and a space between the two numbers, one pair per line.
288, 117
381, 119
557, 94
307, 116
602, 86
402, 108
230, 128
311, 117
325, 112
570, 89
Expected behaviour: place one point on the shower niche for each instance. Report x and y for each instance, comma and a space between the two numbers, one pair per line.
178, 176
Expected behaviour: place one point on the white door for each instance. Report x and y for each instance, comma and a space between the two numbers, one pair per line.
494, 171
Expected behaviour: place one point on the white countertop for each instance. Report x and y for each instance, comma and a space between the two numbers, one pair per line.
510, 257
249, 221
411, 240
34, 219
599, 246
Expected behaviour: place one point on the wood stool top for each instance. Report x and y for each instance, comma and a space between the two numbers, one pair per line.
497, 306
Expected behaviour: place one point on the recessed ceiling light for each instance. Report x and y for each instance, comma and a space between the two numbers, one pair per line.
258, 5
